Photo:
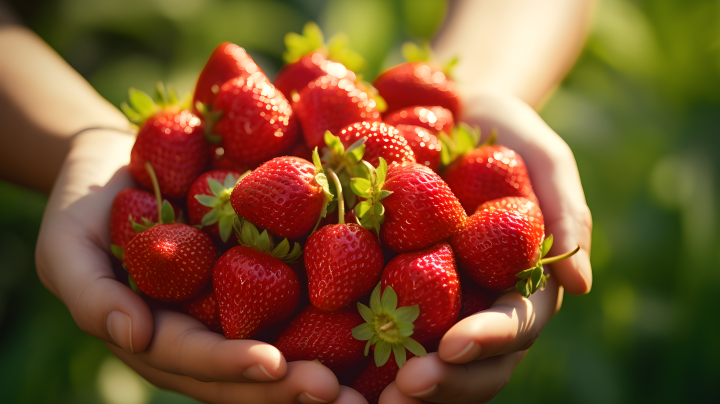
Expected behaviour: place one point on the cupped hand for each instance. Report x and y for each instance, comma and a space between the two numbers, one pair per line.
169, 349
477, 356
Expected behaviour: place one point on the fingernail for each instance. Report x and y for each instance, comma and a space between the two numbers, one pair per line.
470, 352
119, 326
259, 374
307, 398
425, 392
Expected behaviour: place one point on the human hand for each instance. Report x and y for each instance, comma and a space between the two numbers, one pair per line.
477, 356
169, 349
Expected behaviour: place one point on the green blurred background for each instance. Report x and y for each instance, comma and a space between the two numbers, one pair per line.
641, 111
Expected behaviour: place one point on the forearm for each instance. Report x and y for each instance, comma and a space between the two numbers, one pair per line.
43, 103
521, 47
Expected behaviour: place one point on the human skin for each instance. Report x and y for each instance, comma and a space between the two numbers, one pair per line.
47, 105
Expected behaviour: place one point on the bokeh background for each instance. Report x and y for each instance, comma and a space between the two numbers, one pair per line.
641, 111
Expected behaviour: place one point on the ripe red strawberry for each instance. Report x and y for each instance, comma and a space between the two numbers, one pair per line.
170, 262
130, 204
429, 279
487, 173
435, 119
343, 261
475, 298
373, 379
425, 145
170, 138
498, 246
255, 123
519, 204
204, 308
330, 104
308, 58
208, 203
325, 336
286, 196
218, 161
416, 83
417, 210
381, 140
227, 61
255, 288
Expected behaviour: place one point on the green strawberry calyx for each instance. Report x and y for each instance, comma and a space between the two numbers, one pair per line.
322, 180
210, 116
344, 162
142, 106
413, 52
312, 40
249, 236
534, 279
221, 211
388, 327
463, 139
371, 212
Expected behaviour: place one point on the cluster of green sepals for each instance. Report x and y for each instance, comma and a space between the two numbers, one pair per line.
249, 236
322, 180
312, 40
371, 212
221, 211
534, 279
463, 139
413, 52
388, 327
345, 162
142, 106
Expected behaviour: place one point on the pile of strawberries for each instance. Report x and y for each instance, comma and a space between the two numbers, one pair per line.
394, 223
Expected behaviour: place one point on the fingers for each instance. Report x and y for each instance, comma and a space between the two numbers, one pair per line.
183, 346
512, 324
432, 380
555, 178
305, 382
349, 396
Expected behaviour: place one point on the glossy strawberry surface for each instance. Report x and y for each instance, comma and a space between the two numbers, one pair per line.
416, 83
495, 245
204, 308
130, 203
256, 121
295, 76
434, 119
325, 336
196, 210
429, 279
329, 103
343, 262
519, 204
421, 211
281, 196
373, 380
175, 146
488, 173
475, 298
424, 144
381, 141
228, 61
254, 290
171, 262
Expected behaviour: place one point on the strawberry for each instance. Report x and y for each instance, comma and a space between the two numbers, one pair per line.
381, 140
131, 205
325, 336
435, 119
227, 61
373, 379
204, 308
255, 288
425, 145
301, 150
475, 298
343, 261
209, 205
485, 173
519, 204
330, 104
170, 138
418, 208
307, 59
429, 279
170, 262
252, 121
286, 195
218, 161
416, 83
498, 246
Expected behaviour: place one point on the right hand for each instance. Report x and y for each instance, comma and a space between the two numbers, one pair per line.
169, 349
